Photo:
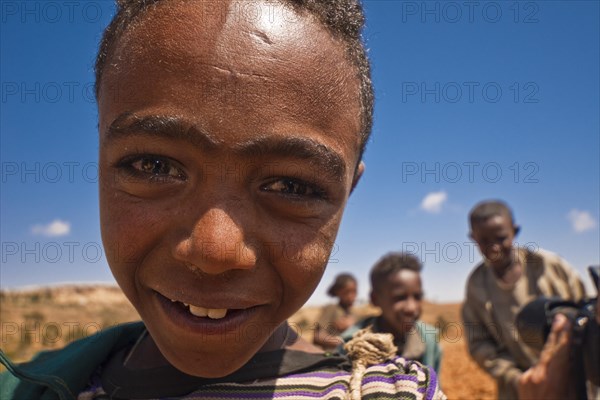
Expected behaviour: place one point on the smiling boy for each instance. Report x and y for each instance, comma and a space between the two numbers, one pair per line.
233, 201
397, 290
507, 279
230, 141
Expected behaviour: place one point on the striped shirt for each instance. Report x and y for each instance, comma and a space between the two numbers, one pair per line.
396, 379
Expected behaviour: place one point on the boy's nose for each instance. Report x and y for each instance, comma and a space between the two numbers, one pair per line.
217, 243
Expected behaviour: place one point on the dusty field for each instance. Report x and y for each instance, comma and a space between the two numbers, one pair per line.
461, 378
50, 318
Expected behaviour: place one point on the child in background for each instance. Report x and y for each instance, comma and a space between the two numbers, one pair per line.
231, 135
336, 318
508, 278
396, 289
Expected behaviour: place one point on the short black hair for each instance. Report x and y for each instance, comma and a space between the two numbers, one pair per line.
393, 263
340, 281
344, 19
487, 209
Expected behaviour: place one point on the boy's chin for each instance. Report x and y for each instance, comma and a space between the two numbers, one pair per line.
209, 358
211, 373
211, 366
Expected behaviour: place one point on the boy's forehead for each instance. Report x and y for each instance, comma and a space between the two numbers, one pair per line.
271, 54
215, 27
493, 223
266, 47
401, 279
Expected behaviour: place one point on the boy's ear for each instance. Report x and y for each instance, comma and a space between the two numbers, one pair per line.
357, 174
517, 229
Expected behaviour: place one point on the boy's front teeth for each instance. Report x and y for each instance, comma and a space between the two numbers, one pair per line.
213, 313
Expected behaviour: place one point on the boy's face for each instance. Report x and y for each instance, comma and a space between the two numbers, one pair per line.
400, 299
495, 237
347, 294
228, 148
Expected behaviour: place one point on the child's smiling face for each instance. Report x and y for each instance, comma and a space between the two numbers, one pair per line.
228, 149
495, 237
347, 294
400, 298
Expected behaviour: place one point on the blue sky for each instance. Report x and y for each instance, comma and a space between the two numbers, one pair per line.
474, 100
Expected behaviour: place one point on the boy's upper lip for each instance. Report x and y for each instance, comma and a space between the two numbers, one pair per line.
212, 299
233, 290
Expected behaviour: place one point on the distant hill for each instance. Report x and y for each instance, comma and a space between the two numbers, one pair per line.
50, 317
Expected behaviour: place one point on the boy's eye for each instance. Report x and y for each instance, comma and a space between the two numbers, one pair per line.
405, 297
495, 240
152, 167
293, 187
156, 166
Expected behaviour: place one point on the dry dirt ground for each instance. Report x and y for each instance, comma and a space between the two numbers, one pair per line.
47, 318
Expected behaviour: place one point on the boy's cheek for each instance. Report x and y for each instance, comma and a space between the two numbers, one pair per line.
131, 234
125, 232
306, 246
302, 264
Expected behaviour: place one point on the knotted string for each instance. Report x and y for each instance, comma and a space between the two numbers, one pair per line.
365, 349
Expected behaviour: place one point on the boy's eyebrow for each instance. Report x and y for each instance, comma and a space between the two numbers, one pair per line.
326, 159
167, 126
